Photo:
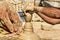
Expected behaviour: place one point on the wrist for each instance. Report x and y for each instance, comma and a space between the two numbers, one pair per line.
39, 9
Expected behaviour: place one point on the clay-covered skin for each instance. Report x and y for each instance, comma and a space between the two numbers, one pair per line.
51, 12
16, 21
49, 19
10, 19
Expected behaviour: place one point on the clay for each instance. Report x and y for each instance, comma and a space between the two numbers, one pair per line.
28, 17
28, 33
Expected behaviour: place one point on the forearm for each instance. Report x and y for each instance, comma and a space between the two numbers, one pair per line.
48, 19
51, 12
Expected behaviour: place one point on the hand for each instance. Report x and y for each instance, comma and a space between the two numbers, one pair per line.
37, 8
30, 8
18, 30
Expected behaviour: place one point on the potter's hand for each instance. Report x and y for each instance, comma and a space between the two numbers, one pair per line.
39, 9
28, 8
17, 30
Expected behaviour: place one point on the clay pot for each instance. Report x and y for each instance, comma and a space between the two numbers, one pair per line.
28, 33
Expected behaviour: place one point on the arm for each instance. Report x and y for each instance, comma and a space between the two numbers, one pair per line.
48, 19
51, 12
